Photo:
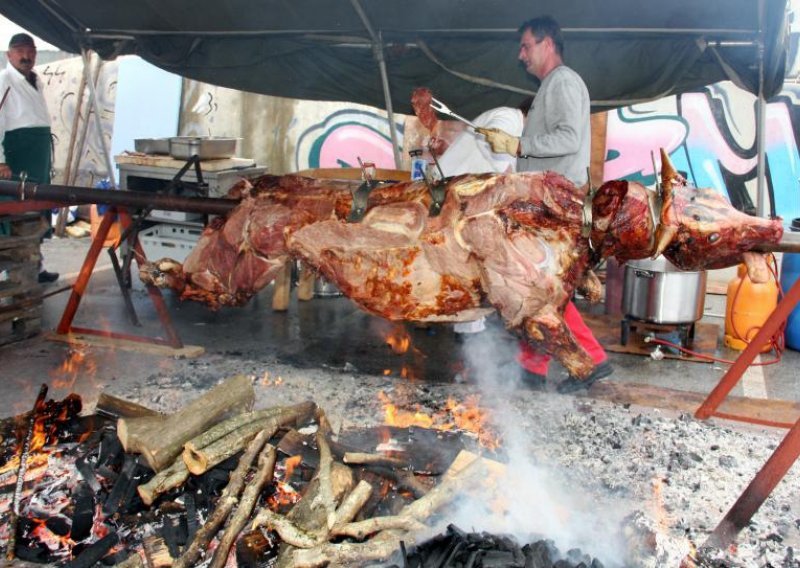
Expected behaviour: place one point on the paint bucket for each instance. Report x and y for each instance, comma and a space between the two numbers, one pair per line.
790, 272
747, 308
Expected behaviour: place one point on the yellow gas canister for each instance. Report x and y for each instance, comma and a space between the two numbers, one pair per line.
747, 307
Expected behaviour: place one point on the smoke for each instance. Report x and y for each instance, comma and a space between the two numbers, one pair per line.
532, 501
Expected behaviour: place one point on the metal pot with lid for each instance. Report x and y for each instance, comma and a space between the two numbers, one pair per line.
655, 291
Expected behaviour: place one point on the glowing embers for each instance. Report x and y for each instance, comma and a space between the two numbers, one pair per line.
466, 417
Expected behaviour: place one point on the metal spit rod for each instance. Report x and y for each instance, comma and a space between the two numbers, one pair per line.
74, 195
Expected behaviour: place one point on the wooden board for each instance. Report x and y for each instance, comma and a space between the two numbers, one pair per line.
355, 173
765, 410
129, 345
172, 163
606, 329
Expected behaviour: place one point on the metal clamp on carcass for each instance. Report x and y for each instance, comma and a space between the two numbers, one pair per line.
437, 187
361, 194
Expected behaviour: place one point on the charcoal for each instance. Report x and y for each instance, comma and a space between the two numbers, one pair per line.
169, 532
33, 552
121, 488
83, 511
91, 555
192, 523
500, 559
58, 525
539, 554
87, 471
256, 549
110, 453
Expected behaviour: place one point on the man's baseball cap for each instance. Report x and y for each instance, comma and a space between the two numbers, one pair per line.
20, 40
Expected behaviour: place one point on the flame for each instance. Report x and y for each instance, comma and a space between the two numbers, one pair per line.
290, 465
465, 417
77, 363
284, 495
267, 381
398, 339
42, 533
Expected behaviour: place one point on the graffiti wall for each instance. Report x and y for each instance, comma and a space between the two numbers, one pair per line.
711, 137
76, 139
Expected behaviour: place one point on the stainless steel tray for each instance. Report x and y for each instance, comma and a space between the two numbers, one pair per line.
206, 148
151, 145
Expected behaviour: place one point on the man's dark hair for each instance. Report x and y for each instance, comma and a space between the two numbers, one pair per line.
545, 26
525, 105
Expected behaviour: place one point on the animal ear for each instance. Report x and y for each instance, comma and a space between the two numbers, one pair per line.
668, 173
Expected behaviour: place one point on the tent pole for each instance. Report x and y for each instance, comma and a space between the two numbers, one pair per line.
96, 108
761, 119
377, 50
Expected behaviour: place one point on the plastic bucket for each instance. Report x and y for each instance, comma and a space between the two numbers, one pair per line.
790, 272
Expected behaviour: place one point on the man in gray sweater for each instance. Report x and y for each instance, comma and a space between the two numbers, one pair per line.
556, 137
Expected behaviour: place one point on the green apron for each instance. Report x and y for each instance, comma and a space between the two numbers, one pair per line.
28, 150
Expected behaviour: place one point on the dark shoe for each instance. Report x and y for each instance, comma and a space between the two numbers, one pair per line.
533, 381
47, 277
572, 384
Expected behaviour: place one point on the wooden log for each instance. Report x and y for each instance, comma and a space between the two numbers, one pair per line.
387, 541
362, 529
225, 504
352, 504
307, 516
163, 481
283, 288
161, 440
360, 458
265, 472
114, 407
201, 460
224, 428
156, 552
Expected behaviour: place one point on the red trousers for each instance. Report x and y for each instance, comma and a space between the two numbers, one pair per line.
536, 362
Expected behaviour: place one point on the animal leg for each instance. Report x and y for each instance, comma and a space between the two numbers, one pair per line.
548, 330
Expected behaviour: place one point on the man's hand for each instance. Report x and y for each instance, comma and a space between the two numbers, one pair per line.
5, 171
500, 141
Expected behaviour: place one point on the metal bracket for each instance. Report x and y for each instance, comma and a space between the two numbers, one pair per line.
438, 191
360, 201
586, 225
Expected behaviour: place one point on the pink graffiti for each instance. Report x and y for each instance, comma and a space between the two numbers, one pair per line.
350, 142
704, 133
633, 141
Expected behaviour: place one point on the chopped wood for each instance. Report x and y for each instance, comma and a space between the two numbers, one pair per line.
402, 479
199, 461
225, 504
352, 504
264, 473
114, 407
362, 529
325, 495
132, 561
156, 552
289, 532
163, 481
86, 339
387, 541
228, 426
161, 440
359, 458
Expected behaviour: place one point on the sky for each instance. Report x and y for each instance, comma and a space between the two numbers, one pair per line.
9, 28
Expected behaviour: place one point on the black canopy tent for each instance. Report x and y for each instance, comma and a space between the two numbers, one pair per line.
376, 52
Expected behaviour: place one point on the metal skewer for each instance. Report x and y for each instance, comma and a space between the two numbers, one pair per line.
444, 109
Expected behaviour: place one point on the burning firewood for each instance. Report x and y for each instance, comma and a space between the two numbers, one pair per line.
161, 438
225, 504
221, 449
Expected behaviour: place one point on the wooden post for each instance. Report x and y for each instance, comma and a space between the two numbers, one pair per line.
305, 287
283, 287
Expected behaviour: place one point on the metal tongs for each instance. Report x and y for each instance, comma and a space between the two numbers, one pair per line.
444, 109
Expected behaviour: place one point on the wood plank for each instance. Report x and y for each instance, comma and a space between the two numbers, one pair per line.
763, 410
126, 344
381, 174
170, 162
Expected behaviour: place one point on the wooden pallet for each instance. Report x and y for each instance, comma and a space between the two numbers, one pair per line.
20, 292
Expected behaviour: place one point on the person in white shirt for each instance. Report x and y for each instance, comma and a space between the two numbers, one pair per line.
24, 122
470, 153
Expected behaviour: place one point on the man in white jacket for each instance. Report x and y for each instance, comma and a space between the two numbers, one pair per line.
24, 122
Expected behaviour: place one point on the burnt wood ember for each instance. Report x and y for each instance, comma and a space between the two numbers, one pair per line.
92, 554
458, 549
83, 512
507, 242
